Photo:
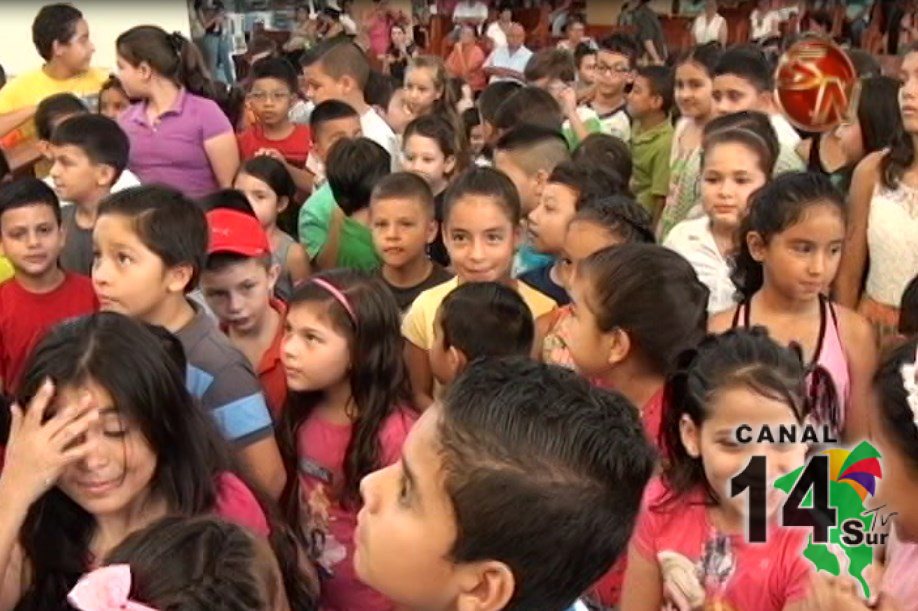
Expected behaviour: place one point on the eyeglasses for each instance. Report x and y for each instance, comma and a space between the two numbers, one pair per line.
607, 69
274, 96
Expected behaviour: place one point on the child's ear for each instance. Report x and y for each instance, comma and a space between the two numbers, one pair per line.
282, 203
105, 175
44, 147
756, 245
178, 277
656, 102
541, 179
619, 346
449, 165
688, 433
347, 84
488, 586
432, 226
457, 360
273, 275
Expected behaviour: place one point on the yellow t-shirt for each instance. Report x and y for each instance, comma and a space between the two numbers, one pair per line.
418, 324
6, 269
30, 88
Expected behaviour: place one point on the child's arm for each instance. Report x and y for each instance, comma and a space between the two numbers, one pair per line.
418, 362
11, 120
854, 256
262, 461
859, 344
302, 178
542, 327
298, 263
223, 154
643, 586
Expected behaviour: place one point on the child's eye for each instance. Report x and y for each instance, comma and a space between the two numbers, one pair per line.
124, 259
248, 286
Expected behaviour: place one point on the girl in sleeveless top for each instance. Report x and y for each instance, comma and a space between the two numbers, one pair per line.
790, 247
883, 241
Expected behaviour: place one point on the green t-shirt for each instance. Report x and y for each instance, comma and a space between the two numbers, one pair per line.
590, 121
355, 248
650, 151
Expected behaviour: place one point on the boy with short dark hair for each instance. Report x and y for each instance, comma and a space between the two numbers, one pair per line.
554, 71
89, 152
509, 434
585, 60
329, 122
238, 283
527, 106
337, 234
488, 103
478, 320
615, 63
403, 225
164, 235
40, 294
272, 92
649, 103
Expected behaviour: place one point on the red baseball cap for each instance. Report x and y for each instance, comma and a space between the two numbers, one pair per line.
236, 232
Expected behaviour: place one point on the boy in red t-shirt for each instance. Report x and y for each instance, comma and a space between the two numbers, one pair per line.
271, 95
40, 294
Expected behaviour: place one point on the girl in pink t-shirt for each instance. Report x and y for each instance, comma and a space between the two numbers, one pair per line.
106, 440
689, 547
348, 413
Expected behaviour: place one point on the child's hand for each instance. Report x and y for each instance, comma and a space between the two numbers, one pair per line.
828, 593
273, 153
568, 99
38, 451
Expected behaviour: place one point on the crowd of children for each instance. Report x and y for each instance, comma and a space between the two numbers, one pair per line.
255, 361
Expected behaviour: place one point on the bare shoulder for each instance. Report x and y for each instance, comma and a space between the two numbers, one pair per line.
856, 332
722, 321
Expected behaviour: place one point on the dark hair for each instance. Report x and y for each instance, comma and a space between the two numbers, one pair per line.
621, 44
865, 63
340, 58
126, 359
552, 64
528, 106
471, 118
652, 294
707, 56
751, 129
589, 180
901, 150
493, 96
534, 147
878, 112
100, 138
227, 199
748, 64
406, 186
621, 216
484, 319
170, 55
195, 564
28, 191
52, 108
605, 150
273, 173
377, 377
822, 18
276, 68
484, 182
908, 309
896, 416
583, 50
330, 110
781, 203
166, 222
662, 83
113, 82
440, 130
54, 23
745, 358
379, 90
518, 434
354, 166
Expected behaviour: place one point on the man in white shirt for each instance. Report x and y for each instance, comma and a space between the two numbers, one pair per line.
508, 63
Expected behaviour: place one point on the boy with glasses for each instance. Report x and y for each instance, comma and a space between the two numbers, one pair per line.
615, 63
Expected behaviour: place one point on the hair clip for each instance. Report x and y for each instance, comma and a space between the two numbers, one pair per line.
909, 373
106, 589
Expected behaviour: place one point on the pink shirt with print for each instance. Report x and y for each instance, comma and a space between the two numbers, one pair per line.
735, 574
321, 447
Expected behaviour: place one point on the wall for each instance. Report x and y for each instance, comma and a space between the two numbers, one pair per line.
107, 19
605, 12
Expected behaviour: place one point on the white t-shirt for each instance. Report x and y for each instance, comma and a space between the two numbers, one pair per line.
706, 31
496, 34
376, 129
763, 25
694, 241
787, 135
127, 180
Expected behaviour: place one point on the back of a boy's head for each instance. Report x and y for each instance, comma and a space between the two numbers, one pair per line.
226, 199
534, 147
607, 150
379, 89
589, 180
54, 23
529, 106
342, 59
484, 182
276, 68
661, 80
493, 96
28, 192
908, 319
518, 434
405, 186
54, 107
194, 564
552, 64
486, 319
620, 216
353, 168
100, 139
749, 64
172, 226
330, 110
621, 44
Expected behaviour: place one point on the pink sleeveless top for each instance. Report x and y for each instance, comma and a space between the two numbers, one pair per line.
829, 358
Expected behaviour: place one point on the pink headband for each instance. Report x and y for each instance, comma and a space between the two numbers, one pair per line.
105, 589
338, 295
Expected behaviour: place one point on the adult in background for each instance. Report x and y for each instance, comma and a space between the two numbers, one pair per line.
507, 63
498, 30
466, 60
216, 41
710, 26
649, 32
